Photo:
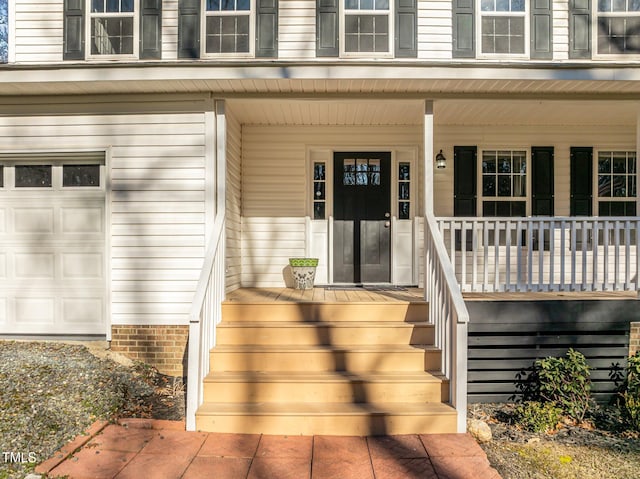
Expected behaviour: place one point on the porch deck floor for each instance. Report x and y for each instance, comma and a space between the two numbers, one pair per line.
552, 296
409, 294
326, 295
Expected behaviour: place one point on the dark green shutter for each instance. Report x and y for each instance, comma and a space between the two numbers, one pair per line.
542, 186
541, 29
464, 180
327, 28
463, 29
151, 29
581, 184
73, 30
189, 29
579, 28
406, 29
267, 28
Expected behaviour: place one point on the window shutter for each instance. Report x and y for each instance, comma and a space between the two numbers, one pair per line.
267, 28
406, 29
189, 29
327, 28
541, 24
463, 29
579, 29
151, 29
73, 30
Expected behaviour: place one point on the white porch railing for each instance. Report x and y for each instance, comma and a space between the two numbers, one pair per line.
449, 314
543, 253
206, 314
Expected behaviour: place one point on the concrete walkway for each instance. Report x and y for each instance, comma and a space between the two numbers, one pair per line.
141, 448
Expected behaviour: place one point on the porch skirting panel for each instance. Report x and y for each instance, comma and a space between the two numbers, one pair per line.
506, 337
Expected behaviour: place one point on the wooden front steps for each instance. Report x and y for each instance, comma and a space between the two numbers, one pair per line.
335, 368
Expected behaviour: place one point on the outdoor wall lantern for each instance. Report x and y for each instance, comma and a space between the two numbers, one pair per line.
441, 161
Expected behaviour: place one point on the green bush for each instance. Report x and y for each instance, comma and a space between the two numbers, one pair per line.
630, 393
564, 382
535, 416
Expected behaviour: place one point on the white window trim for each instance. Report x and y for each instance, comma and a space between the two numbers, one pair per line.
594, 35
479, 189
252, 31
136, 33
341, 39
527, 32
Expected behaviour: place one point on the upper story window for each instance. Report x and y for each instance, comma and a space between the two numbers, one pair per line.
503, 27
516, 29
367, 26
113, 27
228, 26
618, 27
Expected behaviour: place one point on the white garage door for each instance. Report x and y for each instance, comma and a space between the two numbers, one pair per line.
52, 245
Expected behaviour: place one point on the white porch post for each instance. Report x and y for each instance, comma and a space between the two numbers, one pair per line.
428, 157
206, 308
221, 158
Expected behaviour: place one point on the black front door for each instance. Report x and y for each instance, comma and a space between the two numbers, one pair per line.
362, 217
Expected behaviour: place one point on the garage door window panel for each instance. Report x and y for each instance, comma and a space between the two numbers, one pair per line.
33, 176
80, 175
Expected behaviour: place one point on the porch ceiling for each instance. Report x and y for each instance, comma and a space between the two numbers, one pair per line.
447, 112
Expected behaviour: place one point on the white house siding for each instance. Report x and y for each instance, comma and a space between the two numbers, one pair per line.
612, 137
234, 203
274, 187
560, 30
38, 31
169, 29
435, 29
156, 193
297, 29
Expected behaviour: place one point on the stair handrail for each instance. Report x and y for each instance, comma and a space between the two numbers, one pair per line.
205, 314
449, 314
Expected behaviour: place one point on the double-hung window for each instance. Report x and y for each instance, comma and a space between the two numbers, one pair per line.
228, 26
504, 183
617, 188
503, 27
618, 27
367, 27
113, 27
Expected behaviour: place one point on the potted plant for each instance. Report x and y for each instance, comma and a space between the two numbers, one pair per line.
303, 271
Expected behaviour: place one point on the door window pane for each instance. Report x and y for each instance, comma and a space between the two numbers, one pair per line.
349, 172
81, 175
319, 190
404, 190
33, 176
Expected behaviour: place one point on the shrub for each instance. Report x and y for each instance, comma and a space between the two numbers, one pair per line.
564, 382
535, 416
630, 392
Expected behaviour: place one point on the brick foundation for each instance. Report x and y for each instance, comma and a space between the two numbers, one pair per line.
164, 347
634, 339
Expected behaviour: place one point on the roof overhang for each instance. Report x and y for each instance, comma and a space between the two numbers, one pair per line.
318, 79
